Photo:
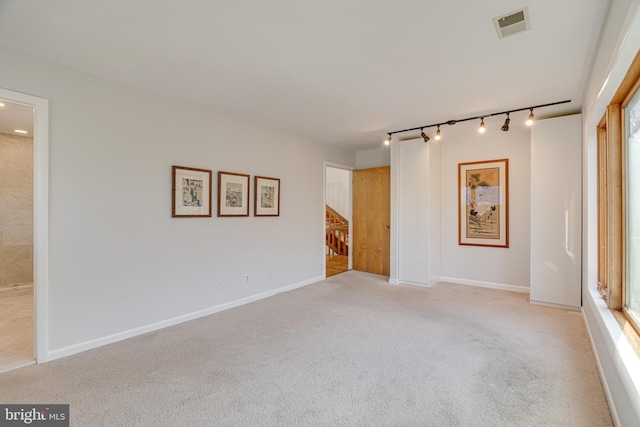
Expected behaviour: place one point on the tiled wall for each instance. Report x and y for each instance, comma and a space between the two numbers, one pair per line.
16, 210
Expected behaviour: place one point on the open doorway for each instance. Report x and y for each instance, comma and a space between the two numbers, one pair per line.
35, 335
17, 312
337, 219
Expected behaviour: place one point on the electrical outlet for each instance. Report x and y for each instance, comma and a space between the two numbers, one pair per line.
246, 278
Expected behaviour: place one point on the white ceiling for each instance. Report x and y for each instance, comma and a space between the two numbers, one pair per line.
336, 71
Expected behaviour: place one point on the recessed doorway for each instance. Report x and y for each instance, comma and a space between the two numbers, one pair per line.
28, 292
337, 219
17, 313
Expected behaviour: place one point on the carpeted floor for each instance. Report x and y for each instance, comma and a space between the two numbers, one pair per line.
349, 351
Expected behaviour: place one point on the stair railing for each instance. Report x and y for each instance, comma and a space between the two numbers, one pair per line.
337, 237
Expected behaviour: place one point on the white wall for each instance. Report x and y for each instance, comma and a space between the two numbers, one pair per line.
373, 158
506, 268
556, 212
424, 189
118, 261
618, 363
337, 190
417, 173
413, 212
434, 198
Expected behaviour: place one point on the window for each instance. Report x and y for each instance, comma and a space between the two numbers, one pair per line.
632, 197
618, 136
602, 209
610, 227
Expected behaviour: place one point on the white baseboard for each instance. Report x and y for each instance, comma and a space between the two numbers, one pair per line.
421, 284
408, 282
99, 342
492, 285
550, 304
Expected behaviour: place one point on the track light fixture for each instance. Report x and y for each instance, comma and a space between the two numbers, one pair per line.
482, 129
438, 137
505, 126
424, 135
529, 121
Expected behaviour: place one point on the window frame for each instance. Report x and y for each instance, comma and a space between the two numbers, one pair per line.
610, 208
603, 211
612, 220
633, 91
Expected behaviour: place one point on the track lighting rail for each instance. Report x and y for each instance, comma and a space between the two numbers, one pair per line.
453, 122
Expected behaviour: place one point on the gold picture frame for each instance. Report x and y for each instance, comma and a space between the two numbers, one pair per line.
483, 203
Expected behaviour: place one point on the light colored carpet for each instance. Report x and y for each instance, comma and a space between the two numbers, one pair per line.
349, 351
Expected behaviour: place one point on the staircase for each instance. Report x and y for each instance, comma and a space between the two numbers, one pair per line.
337, 237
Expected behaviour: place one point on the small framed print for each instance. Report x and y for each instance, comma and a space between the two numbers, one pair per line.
267, 196
483, 204
190, 192
233, 194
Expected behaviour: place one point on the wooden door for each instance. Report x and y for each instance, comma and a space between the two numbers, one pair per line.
371, 220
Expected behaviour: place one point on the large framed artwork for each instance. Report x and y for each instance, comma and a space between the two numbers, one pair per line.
483, 204
233, 194
267, 196
190, 192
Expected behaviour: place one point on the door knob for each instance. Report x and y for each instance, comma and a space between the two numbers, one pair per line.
387, 227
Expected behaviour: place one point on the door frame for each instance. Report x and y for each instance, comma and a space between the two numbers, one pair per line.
324, 204
40, 217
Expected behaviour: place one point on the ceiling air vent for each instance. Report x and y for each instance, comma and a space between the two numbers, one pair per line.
512, 23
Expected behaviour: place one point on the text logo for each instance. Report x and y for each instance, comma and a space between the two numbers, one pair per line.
34, 415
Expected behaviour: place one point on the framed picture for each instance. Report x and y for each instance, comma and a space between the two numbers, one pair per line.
267, 196
233, 194
190, 192
483, 204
